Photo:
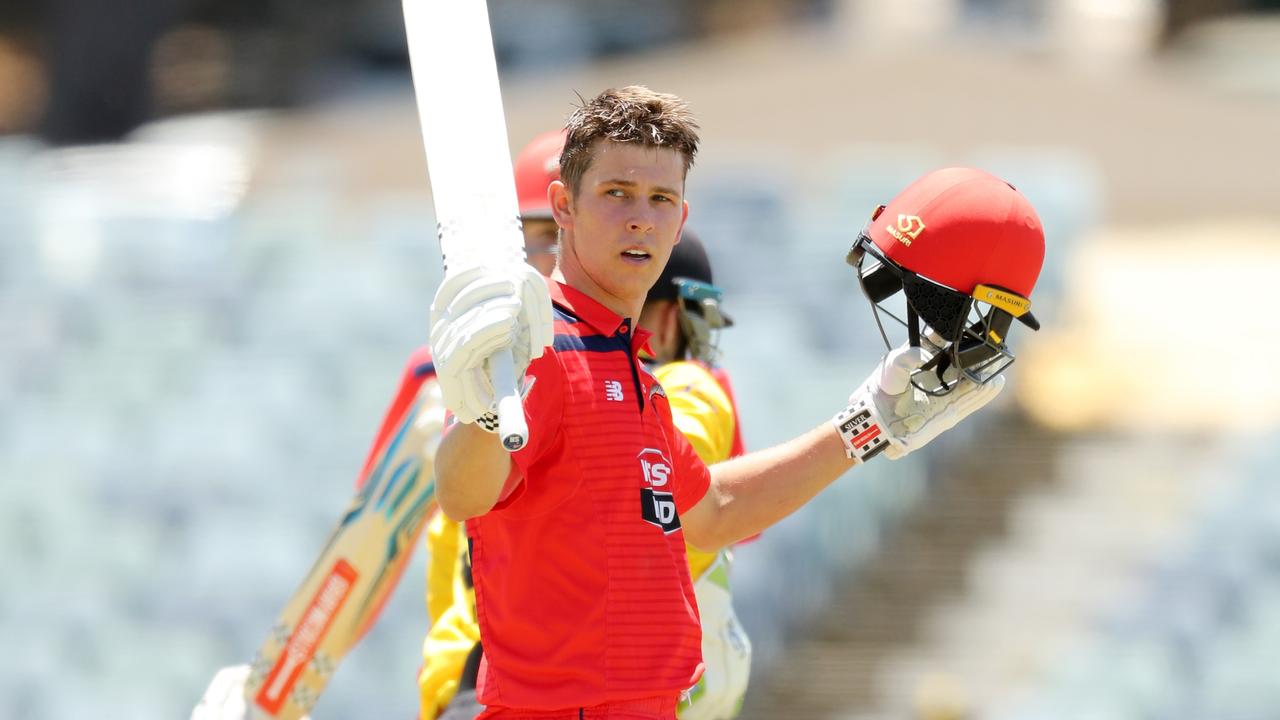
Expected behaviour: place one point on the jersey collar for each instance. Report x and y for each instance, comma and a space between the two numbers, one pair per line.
604, 320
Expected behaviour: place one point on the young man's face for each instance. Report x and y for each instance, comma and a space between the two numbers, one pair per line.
621, 224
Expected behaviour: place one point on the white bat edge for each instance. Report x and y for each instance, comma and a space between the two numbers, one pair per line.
464, 134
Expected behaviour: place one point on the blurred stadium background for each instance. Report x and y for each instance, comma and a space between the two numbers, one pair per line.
216, 252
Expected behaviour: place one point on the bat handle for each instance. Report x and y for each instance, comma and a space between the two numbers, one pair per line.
512, 428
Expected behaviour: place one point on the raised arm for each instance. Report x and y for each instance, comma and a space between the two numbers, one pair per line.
471, 469
886, 414
752, 492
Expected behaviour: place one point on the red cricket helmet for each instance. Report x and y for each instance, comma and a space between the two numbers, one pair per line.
536, 167
964, 248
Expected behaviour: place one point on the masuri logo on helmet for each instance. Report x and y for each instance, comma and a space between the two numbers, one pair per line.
908, 229
962, 282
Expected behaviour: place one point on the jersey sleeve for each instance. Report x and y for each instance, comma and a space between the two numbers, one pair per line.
700, 409
692, 476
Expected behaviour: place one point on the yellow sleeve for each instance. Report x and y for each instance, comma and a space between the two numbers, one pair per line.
700, 408
444, 653
442, 557
702, 412
454, 631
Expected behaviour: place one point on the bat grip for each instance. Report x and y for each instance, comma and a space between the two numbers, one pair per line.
512, 428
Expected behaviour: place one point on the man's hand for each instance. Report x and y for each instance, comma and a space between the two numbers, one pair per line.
224, 699
478, 312
887, 414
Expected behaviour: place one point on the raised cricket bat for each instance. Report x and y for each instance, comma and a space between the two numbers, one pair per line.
464, 132
356, 571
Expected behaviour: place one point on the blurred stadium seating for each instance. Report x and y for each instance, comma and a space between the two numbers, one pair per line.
1199, 635
187, 398
202, 324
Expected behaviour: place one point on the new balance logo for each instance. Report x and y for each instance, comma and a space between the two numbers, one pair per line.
613, 390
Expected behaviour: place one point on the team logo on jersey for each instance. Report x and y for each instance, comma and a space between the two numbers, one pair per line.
657, 507
654, 466
908, 229
613, 390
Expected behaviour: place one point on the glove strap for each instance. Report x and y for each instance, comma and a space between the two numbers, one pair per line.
488, 422
861, 429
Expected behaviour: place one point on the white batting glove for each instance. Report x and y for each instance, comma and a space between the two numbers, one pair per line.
224, 699
478, 312
887, 414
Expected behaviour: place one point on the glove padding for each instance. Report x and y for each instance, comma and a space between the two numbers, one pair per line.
478, 312
224, 699
887, 414
726, 650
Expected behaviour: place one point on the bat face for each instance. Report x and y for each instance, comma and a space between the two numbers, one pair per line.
464, 133
356, 571
302, 644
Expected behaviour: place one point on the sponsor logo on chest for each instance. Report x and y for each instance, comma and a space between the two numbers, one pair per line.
657, 507
613, 390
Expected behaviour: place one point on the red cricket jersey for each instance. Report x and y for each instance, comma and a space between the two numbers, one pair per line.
582, 587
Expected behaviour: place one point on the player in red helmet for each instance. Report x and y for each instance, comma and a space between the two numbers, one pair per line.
536, 167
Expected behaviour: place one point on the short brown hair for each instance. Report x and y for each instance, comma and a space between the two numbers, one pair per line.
633, 114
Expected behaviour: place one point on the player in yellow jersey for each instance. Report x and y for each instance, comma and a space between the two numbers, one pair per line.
683, 313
